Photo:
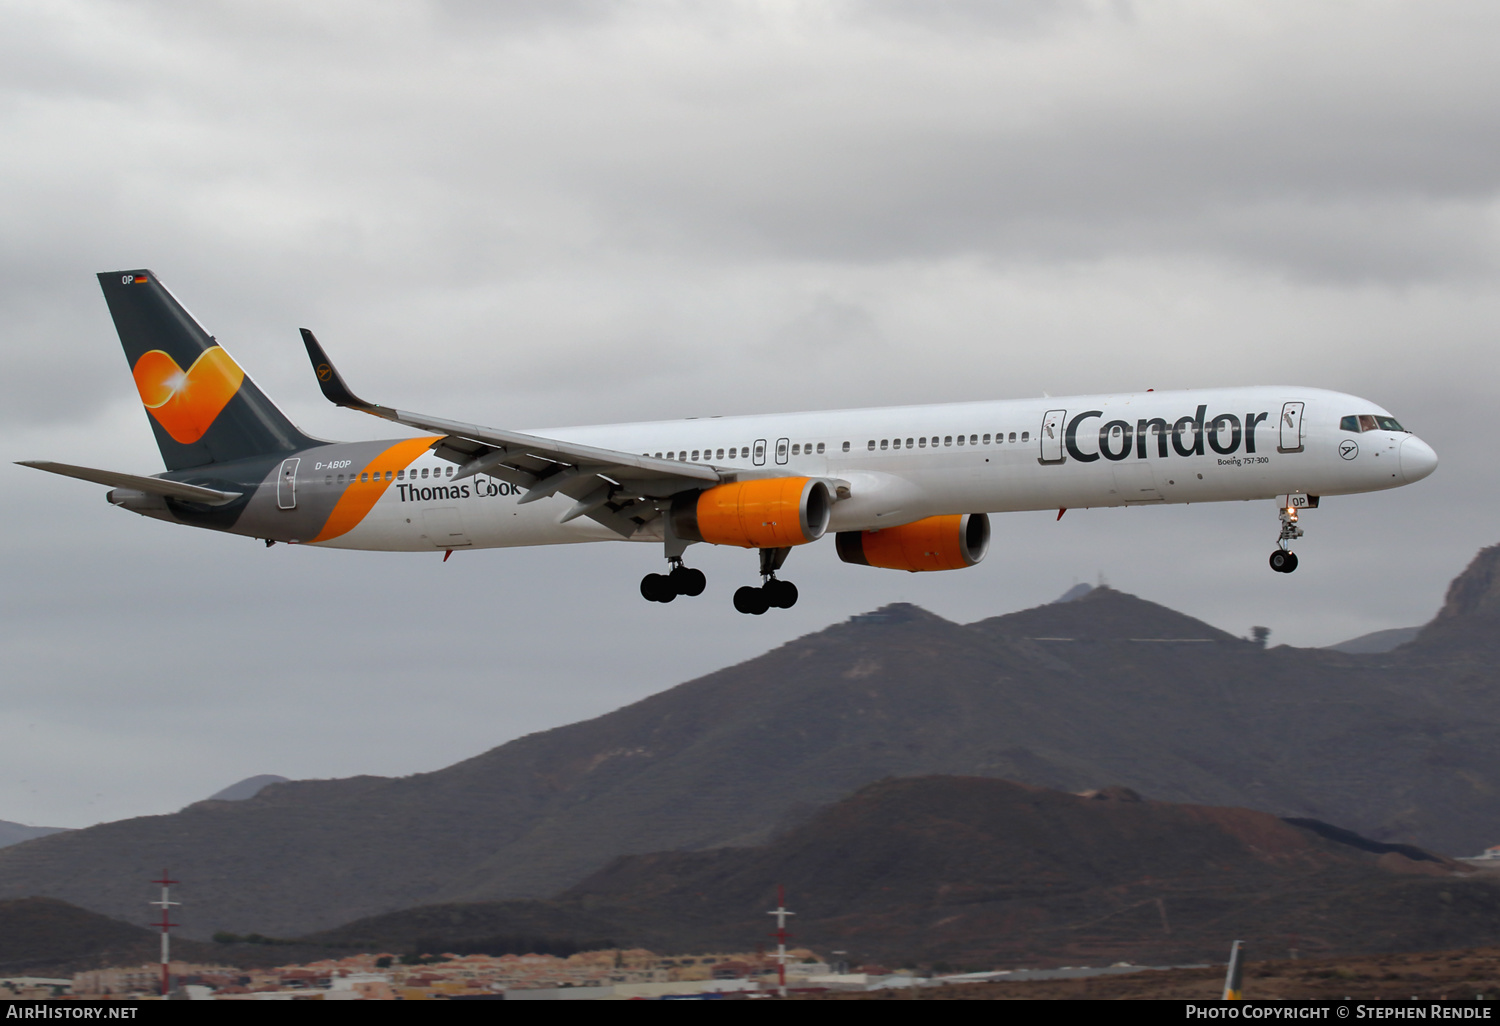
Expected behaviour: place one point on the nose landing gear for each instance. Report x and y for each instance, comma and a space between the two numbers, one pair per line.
681, 580
774, 593
1283, 559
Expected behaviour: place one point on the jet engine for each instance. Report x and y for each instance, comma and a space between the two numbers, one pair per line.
766, 513
937, 543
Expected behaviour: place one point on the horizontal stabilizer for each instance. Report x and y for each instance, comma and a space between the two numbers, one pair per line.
150, 485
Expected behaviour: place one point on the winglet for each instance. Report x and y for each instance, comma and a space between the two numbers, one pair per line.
334, 389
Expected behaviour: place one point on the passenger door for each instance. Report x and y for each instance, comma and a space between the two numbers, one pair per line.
1051, 436
1291, 428
286, 484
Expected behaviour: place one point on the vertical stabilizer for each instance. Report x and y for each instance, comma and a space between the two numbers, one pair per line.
201, 405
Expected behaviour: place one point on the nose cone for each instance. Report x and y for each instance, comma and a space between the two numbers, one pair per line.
1417, 459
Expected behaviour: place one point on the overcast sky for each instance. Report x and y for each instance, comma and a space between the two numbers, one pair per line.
543, 213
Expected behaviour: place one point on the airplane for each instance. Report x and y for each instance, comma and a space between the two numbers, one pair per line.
902, 488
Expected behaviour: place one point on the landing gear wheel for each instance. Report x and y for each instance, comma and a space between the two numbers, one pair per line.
751, 600
1283, 562
687, 581
781, 594
657, 588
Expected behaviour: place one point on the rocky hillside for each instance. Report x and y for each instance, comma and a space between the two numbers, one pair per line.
1107, 689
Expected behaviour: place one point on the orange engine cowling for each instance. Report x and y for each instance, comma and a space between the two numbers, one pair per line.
937, 543
766, 513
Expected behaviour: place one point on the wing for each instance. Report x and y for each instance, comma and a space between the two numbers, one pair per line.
620, 490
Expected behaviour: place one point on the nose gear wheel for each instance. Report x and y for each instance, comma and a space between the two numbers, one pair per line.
1283, 559
1283, 562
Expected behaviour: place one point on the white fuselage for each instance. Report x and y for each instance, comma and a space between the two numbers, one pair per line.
896, 465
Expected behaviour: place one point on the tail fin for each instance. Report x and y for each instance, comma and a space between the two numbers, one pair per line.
202, 406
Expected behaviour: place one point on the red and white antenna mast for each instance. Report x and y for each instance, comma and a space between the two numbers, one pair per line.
781, 935
166, 925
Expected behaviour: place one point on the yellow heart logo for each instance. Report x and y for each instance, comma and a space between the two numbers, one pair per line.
187, 402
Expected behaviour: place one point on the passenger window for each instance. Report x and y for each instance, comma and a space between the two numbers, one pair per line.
960, 439
720, 456
986, 438
973, 439
884, 442
922, 442
1025, 436
328, 480
820, 448
846, 446
908, 443
1367, 422
448, 472
682, 456
796, 448
871, 446
947, 439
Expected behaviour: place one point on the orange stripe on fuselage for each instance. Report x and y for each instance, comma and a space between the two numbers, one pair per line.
360, 496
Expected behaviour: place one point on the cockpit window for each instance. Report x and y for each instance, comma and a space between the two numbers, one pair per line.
1370, 422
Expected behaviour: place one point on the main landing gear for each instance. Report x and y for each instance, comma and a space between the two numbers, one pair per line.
774, 593
1283, 559
681, 580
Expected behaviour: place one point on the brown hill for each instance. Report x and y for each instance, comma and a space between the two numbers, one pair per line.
1468, 625
38, 935
980, 871
1401, 747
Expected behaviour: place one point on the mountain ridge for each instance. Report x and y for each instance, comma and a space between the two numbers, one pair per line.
1106, 689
